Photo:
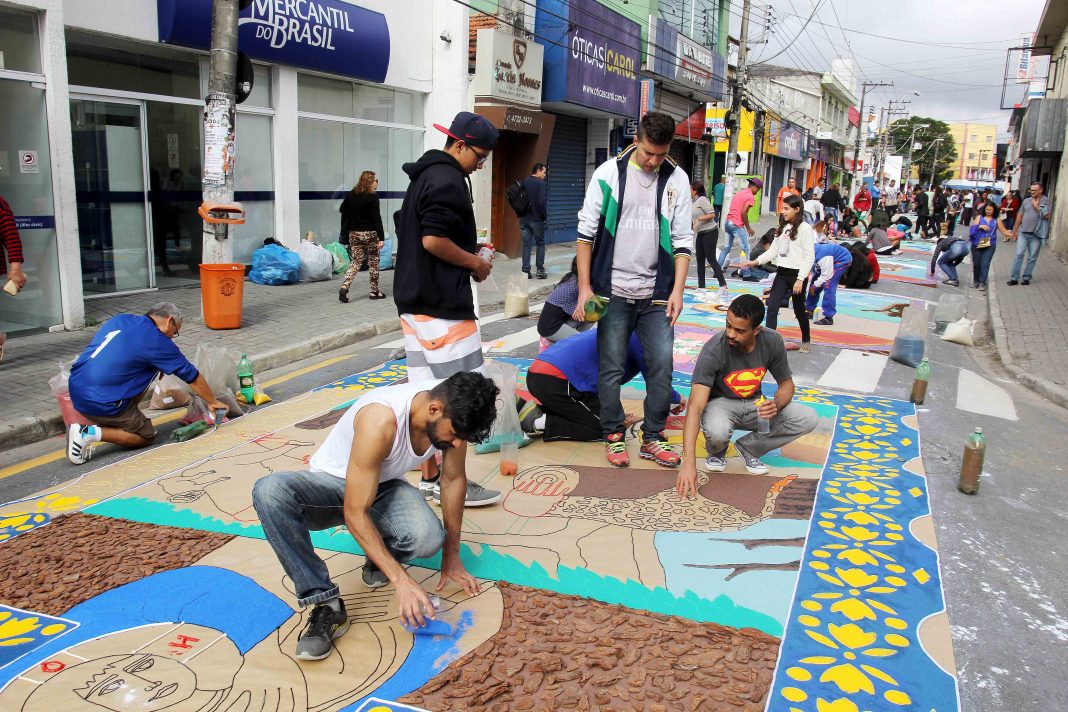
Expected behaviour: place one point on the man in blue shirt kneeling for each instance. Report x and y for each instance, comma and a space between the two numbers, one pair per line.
111, 376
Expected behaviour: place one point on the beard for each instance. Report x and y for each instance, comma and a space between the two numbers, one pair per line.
435, 438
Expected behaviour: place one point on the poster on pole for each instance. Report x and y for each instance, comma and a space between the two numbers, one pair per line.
218, 139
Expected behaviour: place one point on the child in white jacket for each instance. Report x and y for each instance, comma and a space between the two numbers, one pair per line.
793, 253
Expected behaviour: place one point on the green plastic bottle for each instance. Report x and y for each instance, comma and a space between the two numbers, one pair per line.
919, 386
188, 432
246, 379
971, 465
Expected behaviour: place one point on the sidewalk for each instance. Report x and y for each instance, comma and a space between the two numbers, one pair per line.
1030, 324
279, 325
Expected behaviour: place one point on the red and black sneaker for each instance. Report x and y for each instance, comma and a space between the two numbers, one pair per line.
660, 452
615, 447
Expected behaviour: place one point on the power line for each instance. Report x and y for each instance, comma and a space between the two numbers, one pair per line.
974, 46
813, 14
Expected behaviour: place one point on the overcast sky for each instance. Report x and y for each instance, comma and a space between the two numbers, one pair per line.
952, 52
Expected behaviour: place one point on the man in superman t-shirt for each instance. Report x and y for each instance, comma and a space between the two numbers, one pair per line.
726, 391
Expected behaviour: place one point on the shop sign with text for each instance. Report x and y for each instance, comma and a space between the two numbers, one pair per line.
508, 68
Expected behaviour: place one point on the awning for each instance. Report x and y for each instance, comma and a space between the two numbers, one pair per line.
692, 128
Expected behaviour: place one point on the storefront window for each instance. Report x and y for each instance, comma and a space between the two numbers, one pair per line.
150, 71
20, 46
254, 184
28, 189
334, 97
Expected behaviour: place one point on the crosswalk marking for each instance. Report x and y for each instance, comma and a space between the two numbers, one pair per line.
854, 371
976, 394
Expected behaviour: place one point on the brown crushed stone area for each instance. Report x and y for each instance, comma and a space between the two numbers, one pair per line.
78, 556
558, 652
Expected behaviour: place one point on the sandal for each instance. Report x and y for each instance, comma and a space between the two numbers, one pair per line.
377, 295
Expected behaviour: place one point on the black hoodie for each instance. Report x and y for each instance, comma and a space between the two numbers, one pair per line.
437, 202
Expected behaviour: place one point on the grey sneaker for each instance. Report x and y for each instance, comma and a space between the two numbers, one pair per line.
477, 495
324, 624
753, 465
715, 463
373, 576
431, 489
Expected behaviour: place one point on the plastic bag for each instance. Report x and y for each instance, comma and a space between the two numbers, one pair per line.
951, 308
911, 339
58, 382
316, 263
959, 332
340, 256
385, 255
274, 264
506, 428
58, 385
218, 365
516, 298
169, 392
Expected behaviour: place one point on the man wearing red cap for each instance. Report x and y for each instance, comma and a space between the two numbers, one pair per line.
436, 260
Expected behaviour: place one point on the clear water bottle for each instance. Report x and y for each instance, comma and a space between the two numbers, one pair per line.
919, 385
971, 465
763, 424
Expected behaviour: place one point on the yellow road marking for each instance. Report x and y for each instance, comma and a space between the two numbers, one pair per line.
161, 419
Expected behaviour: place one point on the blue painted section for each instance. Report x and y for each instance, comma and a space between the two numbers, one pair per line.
45, 628
326, 35
201, 595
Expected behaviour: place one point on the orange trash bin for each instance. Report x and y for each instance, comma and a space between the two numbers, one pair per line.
222, 289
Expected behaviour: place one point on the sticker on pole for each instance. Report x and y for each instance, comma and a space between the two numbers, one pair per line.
28, 161
218, 139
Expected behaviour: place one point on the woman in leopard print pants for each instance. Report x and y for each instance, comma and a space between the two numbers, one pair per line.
361, 218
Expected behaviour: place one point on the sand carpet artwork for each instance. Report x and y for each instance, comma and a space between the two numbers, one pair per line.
816, 586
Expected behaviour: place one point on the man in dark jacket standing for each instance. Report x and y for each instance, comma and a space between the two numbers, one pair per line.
923, 211
436, 259
532, 223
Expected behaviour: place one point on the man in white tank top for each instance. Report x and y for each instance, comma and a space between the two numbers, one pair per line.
357, 478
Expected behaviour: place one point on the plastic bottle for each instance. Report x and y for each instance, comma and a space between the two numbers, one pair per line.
971, 465
246, 379
763, 424
919, 386
188, 432
509, 459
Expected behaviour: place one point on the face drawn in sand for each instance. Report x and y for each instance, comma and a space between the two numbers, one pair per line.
207, 638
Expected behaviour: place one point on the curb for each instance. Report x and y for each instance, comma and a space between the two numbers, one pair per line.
1041, 386
30, 429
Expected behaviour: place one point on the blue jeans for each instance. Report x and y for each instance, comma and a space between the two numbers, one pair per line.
981, 263
830, 294
622, 318
533, 232
292, 504
952, 257
733, 232
1029, 244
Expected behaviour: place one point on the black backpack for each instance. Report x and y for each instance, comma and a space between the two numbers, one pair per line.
517, 198
859, 273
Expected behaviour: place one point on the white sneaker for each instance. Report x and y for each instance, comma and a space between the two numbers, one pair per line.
724, 295
79, 443
430, 489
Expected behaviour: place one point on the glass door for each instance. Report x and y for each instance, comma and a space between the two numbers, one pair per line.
112, 196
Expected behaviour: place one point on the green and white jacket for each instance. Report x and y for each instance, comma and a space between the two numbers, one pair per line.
600, 214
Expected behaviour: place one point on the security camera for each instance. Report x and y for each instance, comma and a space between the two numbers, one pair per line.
445, 36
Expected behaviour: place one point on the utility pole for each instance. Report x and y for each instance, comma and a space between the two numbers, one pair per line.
934, 164
885, 144
855, 188
219, 128
737, 87
912, 142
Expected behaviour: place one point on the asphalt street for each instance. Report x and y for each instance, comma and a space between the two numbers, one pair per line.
1001, 565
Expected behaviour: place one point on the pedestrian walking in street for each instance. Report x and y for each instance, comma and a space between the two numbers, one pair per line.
832, 262
717, 194
967, 208
634, 246
923, 211
114, 372
706, 236
436, 261
738, 227
891, 199
983, 236
726, 395
532, 223
952, 211
938, 211
833, 205
1010, 205
557, 321
793, 253
11, 260
361, 220
948, 253
1032, 230
357, 479
789, 189
564, 379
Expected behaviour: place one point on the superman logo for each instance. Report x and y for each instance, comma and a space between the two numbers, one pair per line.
746, 382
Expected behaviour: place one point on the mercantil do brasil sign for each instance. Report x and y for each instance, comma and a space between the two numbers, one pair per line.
326, 35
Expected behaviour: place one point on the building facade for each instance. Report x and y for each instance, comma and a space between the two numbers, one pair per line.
104, 169
976, 158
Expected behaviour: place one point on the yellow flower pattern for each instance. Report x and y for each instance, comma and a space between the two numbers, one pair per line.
865, 584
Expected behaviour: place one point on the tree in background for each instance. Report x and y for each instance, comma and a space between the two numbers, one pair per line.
922, 155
